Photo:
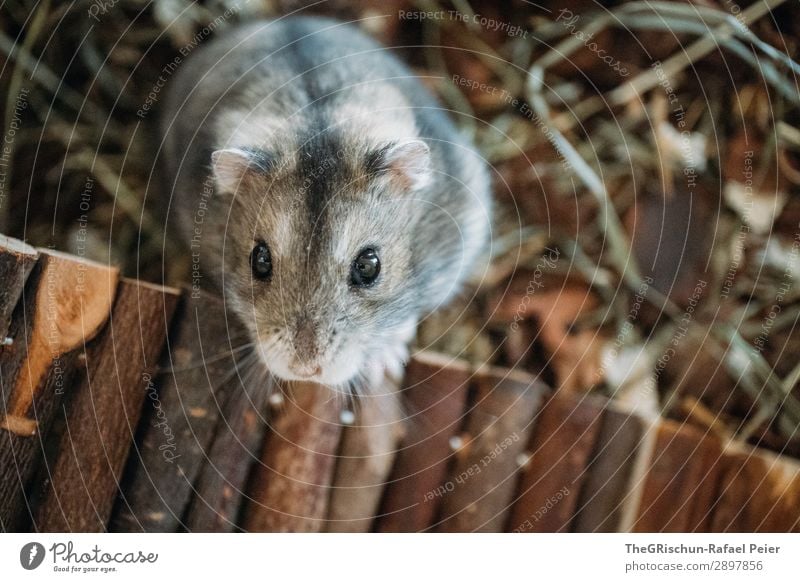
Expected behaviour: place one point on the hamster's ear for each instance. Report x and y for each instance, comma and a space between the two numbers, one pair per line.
232, 166
407, 164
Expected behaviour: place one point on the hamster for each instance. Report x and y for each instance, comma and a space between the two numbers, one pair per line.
324, 190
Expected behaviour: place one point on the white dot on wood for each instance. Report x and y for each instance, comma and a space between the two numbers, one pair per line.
347, 417
522, 459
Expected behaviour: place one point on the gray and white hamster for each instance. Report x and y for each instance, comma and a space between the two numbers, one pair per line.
321, 186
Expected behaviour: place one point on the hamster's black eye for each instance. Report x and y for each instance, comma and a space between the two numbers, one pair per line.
365, 269
261, 261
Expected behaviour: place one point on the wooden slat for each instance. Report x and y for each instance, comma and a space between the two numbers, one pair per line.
435, 394
104, 409
607, 486
180, 418
485, 475
562, 446
759, 492
681, 481
365, 460
290, 487
16, 262
67, 302
237, 443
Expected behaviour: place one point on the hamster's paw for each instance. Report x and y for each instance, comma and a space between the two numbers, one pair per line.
390, 361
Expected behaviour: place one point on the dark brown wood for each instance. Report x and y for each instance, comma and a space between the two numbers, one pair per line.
708, 474
218, 492
67, 302
561, 449
759, 492
365, 460
486, 472
16, 262
180, 416
104, 409
289, 489
435, 395
681, 481
607, 486
12, 358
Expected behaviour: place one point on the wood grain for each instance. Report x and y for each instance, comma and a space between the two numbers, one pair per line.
218, 492
758, 492
487, 465
16, 262
67, 302
180, 416
681, 482
435, 396
607, 486
289, 489
561, 449
104, 409
365, 460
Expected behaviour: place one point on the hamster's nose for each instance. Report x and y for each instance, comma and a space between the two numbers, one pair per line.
306, 350
304, 370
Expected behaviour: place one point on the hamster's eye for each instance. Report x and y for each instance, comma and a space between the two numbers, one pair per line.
365, 268
261, 261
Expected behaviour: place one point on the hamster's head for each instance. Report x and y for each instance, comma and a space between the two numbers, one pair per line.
318, 257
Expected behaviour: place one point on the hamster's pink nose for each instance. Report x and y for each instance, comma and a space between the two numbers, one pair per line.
305, 371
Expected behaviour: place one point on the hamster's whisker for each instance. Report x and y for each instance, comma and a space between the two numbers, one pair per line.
254, 374
205, 360
238, 368
352, 392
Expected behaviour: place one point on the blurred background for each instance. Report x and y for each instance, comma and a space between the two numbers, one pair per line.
646, 161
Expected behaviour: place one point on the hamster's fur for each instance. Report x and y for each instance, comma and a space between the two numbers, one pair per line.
307, 135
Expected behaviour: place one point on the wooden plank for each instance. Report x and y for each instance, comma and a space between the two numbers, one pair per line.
709, 466
67, 302
759, 492
180, 416
435, 395
104, 409
561, 449
16, 262
606, 490
365, 460
485, 475
289, 489
237, 443
681, 481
